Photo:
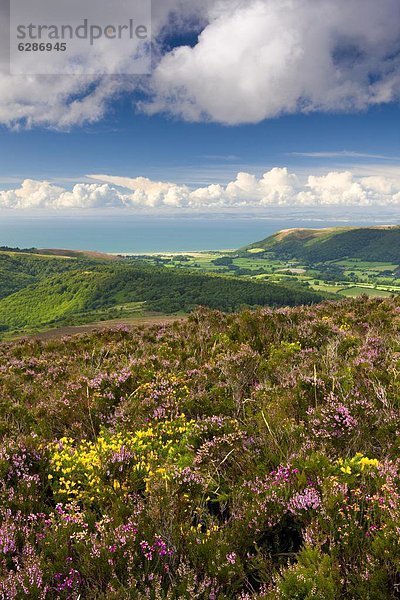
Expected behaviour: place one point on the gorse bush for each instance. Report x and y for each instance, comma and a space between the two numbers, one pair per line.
251, 455
90, 471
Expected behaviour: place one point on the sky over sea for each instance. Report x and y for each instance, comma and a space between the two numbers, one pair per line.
249, 105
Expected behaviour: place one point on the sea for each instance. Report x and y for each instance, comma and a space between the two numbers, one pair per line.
138, 233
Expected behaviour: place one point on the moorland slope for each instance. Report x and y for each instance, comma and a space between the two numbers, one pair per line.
231, 456
380, 244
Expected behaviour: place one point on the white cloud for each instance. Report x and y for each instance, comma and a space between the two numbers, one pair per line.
261, 58
277, 187
32, 194
60, 101
346, 154
255, 59
42, 194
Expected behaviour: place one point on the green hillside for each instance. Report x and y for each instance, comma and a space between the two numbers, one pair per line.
168, 291
19, 269
49, 300
381, 244
96, 289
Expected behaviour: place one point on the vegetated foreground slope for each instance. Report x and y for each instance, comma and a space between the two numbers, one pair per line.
63, 297
49, 300
19, 269
319, 245
251, 455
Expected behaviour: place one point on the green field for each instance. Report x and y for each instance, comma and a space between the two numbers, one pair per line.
353, 292
345, 278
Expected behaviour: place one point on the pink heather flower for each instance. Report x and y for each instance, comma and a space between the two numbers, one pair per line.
146, 549
305, 500
159, 548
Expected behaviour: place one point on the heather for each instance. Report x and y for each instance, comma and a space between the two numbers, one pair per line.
251, 455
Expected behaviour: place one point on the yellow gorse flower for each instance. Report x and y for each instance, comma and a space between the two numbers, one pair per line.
357, 464
90, 470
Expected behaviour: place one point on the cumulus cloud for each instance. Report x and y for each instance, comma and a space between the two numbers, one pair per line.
147, 192
254, 59
42, 194
277, 187
259, 59
61, 102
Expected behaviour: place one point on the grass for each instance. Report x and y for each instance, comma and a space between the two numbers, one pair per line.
37, 255
355, 291
363, 264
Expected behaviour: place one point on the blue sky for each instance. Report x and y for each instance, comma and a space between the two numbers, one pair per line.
130, 144
249, 103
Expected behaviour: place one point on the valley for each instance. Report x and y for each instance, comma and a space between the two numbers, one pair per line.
341, 261
41, 290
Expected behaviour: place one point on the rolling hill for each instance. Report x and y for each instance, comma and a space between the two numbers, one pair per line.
380, 244
90, 291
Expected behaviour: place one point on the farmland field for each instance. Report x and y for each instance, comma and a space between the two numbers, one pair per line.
344, 278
